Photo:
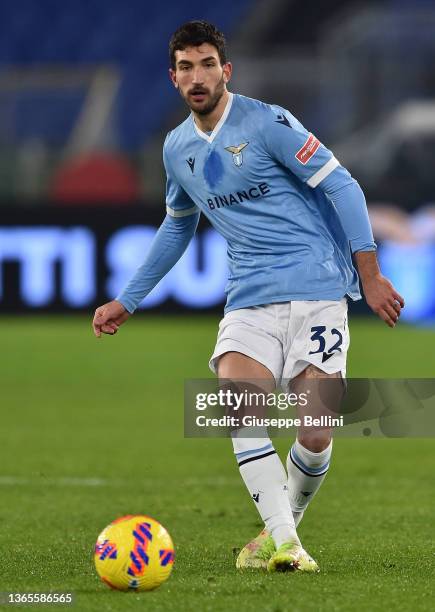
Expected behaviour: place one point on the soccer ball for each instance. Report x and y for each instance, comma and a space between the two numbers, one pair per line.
134, 552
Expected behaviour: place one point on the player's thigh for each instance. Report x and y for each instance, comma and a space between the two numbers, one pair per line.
248, 357
237, 366
247, 345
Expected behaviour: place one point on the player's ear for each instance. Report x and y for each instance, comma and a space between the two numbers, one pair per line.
227, 71
173, 77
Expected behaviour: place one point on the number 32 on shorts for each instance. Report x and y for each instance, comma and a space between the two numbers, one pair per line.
325, 341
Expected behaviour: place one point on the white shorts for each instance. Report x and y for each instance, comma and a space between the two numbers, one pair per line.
288, 336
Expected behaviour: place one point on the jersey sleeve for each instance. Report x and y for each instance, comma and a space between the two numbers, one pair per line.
289, 143
178, 202
168, 245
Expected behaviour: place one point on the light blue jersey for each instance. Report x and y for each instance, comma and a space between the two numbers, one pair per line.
291, 214
256, 177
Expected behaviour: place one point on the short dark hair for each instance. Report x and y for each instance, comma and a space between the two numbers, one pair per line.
195, 33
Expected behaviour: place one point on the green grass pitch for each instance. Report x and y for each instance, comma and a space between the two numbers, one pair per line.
93, 429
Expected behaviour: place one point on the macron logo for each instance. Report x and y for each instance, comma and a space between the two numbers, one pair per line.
282, 119
191, 162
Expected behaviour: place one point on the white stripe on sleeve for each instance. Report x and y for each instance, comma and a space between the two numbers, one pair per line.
323, 172
181, 213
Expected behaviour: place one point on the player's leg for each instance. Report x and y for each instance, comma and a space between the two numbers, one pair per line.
248, 348
319, 339
265, 479
260, 467
309, 457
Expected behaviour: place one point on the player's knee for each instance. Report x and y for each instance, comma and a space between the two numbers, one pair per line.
315, 442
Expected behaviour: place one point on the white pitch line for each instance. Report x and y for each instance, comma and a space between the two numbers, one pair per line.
64, 481
72, 481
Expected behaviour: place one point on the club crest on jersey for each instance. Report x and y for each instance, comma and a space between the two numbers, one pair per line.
237, 153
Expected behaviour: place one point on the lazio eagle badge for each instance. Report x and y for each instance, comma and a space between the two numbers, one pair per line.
237, 153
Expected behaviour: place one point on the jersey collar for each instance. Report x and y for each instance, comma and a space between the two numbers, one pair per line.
210, 137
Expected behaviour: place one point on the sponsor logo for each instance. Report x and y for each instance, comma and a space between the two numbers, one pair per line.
191, 162
307, 151
252, 193
237, 153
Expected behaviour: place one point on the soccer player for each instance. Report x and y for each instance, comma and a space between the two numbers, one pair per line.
293, 217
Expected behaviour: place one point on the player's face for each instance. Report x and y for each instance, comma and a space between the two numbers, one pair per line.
200, 78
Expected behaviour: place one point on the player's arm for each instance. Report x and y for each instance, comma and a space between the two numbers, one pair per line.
301, 152
350, 204
167, 247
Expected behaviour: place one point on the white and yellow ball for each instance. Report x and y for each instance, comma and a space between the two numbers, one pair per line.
134, 552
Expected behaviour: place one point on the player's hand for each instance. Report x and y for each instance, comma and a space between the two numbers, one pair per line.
383, 299
108, 318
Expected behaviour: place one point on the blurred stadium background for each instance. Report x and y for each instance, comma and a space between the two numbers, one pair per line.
85, 103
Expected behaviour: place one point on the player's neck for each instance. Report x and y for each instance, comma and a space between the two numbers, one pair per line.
207, 123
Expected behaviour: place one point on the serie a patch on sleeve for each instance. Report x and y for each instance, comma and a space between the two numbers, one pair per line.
308, 149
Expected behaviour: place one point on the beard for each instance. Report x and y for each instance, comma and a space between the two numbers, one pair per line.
213, 98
